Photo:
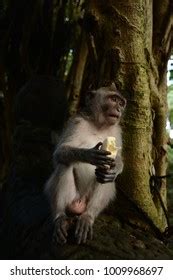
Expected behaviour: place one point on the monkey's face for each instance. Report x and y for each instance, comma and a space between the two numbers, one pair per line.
113, 107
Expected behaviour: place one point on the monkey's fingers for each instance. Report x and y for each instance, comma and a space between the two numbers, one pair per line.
61, 227
78, 225
104, 177
102, 163
64, 227
82, 230
83, 233
104, 157
104, 170
90, 233
102, 152
59, 237
104, 181
104, 160
79, 230
98, 145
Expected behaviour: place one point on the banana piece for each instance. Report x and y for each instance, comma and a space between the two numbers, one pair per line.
109, 144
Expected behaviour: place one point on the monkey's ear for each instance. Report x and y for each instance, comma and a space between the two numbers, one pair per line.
113, 87
89, 97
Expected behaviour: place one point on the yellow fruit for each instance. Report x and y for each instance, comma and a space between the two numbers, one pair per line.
109, 144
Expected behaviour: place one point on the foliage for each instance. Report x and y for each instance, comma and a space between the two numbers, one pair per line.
170, 157
36, 38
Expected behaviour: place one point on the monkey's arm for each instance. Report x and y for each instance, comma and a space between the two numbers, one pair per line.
65, 154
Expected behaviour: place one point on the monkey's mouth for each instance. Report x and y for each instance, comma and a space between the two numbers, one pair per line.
113, 116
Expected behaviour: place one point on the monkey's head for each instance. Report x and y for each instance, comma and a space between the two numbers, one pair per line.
106, 105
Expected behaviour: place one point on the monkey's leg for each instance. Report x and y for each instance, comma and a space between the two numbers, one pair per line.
99, 199
63, 194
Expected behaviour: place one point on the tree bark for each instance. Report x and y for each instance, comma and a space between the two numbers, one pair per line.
129, 38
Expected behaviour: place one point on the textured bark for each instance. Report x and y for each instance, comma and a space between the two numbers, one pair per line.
128, 53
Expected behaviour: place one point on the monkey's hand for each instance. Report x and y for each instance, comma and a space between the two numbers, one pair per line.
105, 174
60, 229
84, 228
98, 157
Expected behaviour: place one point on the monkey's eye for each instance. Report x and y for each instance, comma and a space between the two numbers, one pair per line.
121, 103
113, 98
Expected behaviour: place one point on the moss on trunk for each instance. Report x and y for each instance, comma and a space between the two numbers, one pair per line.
125, 55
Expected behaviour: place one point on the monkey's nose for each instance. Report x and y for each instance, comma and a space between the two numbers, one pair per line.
118, 109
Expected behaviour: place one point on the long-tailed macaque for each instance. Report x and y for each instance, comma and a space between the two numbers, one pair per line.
83, 181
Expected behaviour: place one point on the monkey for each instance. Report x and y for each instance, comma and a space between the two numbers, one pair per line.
83, 182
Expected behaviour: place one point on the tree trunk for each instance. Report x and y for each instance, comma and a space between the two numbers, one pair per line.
77, 75
126, 40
